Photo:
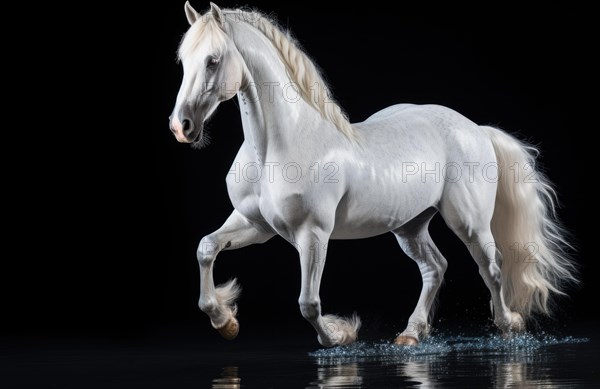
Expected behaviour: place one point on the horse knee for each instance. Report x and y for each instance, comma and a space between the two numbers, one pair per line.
310, 308
207, 251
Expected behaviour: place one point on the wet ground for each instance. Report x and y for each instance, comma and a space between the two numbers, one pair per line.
450, 360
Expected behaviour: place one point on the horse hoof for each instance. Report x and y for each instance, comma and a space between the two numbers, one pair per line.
515, 327
406, 340
230, 330
517, 324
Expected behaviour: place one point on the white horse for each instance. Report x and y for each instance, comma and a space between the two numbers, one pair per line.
306, 173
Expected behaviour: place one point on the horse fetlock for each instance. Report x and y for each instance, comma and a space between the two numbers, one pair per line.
310, 309
208, 306
510, 324
517, 324
220, 316
413, 333
417, 328
339, 331
342, 340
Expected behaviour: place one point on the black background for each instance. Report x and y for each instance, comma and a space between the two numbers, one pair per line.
106, 237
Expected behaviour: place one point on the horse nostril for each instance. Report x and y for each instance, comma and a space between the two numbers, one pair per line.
187, 126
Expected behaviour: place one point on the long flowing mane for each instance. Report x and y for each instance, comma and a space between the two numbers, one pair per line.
301, 69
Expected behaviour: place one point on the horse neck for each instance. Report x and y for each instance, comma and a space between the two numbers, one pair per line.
273, 115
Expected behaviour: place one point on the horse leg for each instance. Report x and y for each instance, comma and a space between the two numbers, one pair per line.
479, 240
332, 330
414, 239
219, 302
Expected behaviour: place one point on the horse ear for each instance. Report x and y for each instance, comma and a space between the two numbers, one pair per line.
216, 13
191, 13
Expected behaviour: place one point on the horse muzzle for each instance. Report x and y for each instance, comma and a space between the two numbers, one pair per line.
185, 130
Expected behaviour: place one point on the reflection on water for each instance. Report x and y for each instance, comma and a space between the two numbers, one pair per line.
229, 379
526, 361
337, 376
419, 372
445, 361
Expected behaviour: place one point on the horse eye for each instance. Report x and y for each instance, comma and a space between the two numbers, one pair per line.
212, 62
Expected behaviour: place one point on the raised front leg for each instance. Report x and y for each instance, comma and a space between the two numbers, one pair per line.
219, 302
332, 330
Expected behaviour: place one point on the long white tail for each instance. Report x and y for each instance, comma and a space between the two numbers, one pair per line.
527, 233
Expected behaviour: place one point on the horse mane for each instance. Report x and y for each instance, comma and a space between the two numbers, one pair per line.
301, 69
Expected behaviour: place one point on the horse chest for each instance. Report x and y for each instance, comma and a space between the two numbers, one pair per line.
268, 204
245, 197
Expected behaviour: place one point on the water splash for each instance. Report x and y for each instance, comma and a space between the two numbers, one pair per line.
521, 346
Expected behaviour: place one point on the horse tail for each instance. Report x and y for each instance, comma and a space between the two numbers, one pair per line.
533, 244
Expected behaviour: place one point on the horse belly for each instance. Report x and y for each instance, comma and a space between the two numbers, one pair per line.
381, 209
